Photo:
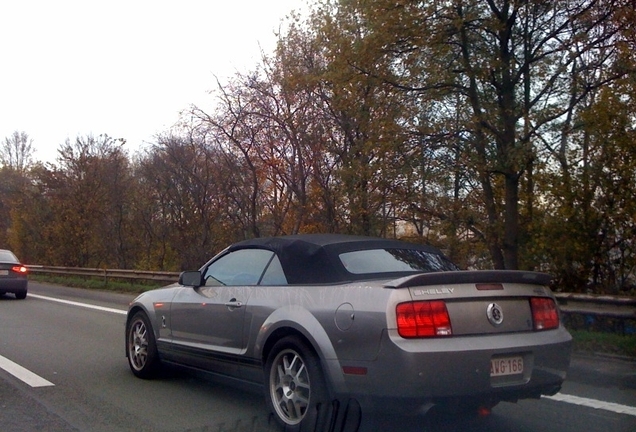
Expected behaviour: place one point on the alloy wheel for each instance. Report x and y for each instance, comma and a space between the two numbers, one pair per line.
138, 344
290, 386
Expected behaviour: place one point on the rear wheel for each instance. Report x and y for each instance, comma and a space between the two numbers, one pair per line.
141, 346
21, 295
295, 385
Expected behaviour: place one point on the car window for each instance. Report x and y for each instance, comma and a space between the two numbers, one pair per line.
7, 256
241, 267
394, 260
274, 275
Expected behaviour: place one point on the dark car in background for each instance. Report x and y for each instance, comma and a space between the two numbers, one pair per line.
13, 275
334, 324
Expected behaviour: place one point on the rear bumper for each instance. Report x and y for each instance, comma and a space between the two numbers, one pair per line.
414, 374
13, 285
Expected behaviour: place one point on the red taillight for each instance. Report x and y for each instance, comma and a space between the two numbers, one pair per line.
423, 319
19, 269
544, 313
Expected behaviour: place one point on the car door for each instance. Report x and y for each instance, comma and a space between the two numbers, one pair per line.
207, 323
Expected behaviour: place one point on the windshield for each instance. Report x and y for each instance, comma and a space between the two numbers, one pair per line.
394, 260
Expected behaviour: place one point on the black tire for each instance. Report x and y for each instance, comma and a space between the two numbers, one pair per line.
295, 386
21, 295
141, 347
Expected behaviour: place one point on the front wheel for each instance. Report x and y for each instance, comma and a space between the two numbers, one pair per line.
295, 384
141, 347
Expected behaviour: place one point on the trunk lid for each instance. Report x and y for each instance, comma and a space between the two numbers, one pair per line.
481, 302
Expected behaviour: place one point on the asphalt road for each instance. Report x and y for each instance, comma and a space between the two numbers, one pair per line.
77, 379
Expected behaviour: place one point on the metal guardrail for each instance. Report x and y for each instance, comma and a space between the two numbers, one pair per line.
586, 305
598, 305
616, 314
160, 276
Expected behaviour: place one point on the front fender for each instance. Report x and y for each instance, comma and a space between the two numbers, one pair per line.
296, 318
156, 305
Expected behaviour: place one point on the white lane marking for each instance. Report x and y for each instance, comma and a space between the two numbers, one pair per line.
592, 403
84, 305
23, 374
26, 375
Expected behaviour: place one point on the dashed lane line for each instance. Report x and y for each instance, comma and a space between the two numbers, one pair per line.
23, 374
26, 375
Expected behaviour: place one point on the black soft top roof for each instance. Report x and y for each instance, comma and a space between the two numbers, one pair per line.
313, 258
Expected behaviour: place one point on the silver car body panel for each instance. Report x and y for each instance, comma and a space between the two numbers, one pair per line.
352, 328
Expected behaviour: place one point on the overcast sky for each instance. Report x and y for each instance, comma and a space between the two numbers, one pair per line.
121, 67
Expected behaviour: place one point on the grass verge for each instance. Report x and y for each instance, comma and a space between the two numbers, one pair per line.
120, 286
587, 341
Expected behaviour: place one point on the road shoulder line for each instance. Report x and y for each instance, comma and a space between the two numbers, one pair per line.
74, 303
592, 403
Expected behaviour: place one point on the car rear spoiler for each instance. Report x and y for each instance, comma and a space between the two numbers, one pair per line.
471, 276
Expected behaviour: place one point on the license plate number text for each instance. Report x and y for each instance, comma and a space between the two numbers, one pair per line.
506, 366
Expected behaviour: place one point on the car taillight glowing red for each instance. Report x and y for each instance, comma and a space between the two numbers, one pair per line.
19, 269
544, 313
423, 319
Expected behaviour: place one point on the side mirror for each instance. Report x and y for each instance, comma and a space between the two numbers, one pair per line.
190, 278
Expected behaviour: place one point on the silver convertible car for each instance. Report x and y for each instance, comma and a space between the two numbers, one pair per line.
332, 325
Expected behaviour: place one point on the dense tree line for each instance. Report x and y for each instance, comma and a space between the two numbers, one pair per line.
501, 131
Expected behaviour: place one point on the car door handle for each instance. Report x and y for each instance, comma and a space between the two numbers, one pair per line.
234, 304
